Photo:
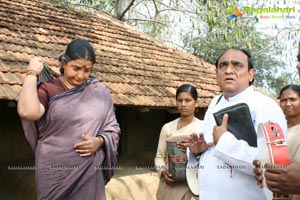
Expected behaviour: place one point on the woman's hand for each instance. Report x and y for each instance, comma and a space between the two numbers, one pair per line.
36, 65
180, 145
167, 177
29, 106
89, 146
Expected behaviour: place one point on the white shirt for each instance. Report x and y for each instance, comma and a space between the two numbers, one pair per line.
226, 170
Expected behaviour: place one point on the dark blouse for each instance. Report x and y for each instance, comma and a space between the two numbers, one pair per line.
48, 89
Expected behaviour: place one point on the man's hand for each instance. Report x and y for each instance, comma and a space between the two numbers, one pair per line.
283, 179
219, 130
196, 144
258, 173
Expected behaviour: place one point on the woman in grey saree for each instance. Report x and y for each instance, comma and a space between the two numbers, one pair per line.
75, 140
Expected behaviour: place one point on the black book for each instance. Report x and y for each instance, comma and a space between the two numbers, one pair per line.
239, 122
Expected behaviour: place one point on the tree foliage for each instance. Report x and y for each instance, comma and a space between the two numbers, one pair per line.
206, 33
201, 27
221, 34
89, 5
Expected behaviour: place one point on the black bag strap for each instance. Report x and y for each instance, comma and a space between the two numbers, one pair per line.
219, 99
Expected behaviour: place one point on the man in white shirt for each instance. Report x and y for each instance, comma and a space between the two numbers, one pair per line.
225, 163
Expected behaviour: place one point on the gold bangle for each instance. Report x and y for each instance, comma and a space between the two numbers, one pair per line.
31, 72
101, 140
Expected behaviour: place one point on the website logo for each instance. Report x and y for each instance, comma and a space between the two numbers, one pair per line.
275, 12
234, 13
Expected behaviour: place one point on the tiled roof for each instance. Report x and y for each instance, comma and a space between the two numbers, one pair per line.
137, 69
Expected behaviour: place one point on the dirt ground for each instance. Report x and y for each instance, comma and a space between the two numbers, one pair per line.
140, 186
130, 181
135, 180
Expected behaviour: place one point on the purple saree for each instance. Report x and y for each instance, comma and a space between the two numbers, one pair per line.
60, 172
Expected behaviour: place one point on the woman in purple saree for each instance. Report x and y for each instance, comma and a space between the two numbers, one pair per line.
76, 134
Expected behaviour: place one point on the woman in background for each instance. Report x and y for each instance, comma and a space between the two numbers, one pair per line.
286, 180
290, 104
187, 123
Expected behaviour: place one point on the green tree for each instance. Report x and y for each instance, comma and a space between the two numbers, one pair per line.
281, 81
201, 27
218, 34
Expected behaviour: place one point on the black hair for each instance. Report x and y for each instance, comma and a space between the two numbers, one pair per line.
295, 88
246, 52
77, 49
189, 89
